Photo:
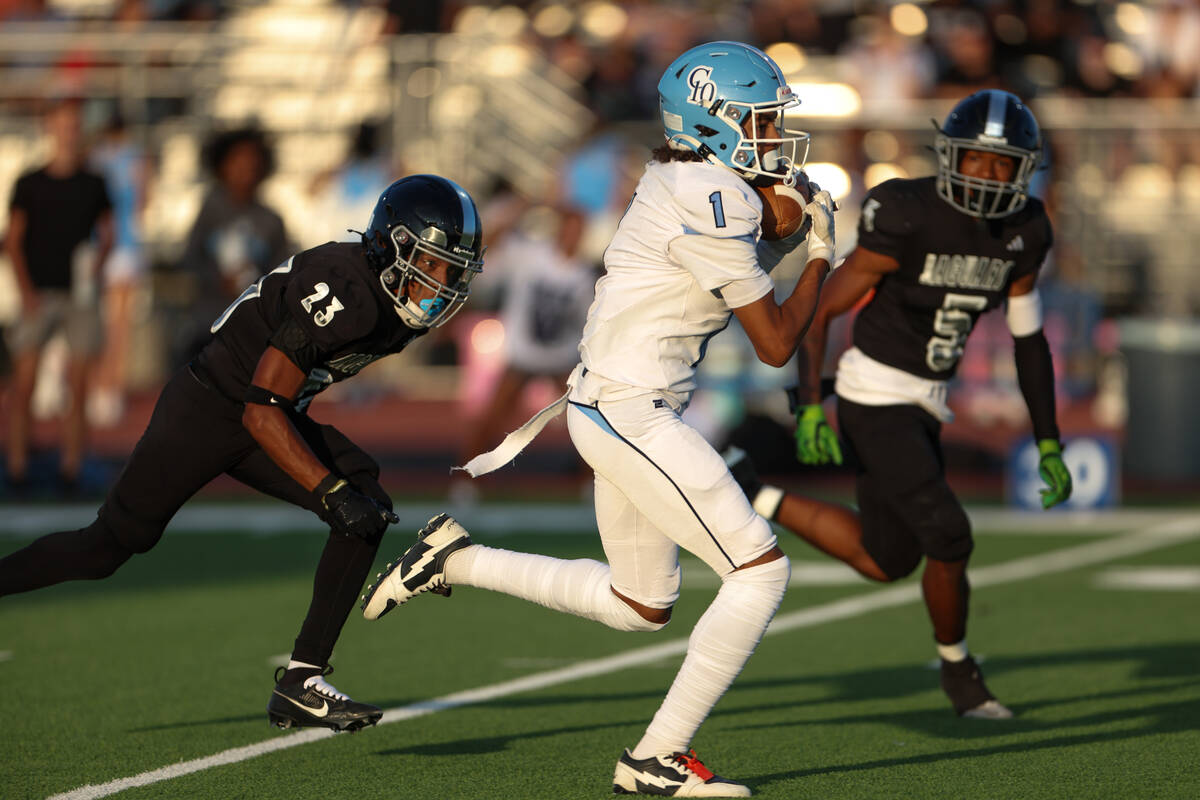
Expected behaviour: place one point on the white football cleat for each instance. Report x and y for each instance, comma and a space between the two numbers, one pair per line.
674, 775
421, 568
989, 709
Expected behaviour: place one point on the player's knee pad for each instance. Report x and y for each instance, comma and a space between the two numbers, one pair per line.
941, 523
651, 588
734, 623
619, 615
623, 617
767, 581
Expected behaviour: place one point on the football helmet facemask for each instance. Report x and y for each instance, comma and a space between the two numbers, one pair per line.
418, 222
990, 121
705, 97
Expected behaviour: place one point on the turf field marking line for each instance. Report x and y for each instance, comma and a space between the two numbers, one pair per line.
1161, 579
1181, 529
262, 519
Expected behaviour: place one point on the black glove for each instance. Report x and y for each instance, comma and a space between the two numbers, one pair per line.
350, 512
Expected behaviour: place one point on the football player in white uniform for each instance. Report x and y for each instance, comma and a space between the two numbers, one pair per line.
686, 257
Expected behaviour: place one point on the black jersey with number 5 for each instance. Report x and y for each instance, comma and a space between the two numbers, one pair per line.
953, 267
322, 308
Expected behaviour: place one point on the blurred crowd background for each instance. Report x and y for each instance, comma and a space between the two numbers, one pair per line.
233, 133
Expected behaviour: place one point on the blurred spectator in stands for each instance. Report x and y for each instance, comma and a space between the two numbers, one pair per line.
427, 16
547, 289
965, 52
608, 86
810, 24
126, 169
347, 193
187, 10
598, 178
1170, 46
886, 67
55, 211
20, 11
236, 238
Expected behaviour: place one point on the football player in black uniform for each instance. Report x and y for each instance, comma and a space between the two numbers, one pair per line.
938, 252
240, 407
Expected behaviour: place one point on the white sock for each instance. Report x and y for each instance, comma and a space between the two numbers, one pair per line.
952, 652
719, 646
767, 501
582, 587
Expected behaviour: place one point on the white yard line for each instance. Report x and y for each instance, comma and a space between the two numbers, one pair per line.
24, 520
1179, 529
1154, 579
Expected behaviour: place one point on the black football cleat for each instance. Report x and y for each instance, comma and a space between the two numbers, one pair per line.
422, 568
674, 775
316, 704
962, 681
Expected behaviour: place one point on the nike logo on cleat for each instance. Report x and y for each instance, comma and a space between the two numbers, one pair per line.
316, 712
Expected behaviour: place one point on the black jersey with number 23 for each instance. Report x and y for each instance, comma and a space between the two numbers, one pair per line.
322, 308
953, 267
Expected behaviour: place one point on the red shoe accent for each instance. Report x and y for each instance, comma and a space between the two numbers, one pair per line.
690, 761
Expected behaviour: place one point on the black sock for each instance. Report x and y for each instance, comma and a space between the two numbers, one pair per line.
297, 676
344, 566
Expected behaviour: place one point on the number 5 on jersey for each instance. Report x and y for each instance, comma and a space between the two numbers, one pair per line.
952, 324
324, 316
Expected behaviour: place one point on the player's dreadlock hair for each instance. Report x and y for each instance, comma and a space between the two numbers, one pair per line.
665, 153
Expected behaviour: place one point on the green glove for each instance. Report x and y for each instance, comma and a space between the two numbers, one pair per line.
816, 443
1054, 473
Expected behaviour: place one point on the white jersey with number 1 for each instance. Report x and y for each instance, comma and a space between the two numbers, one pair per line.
682, 258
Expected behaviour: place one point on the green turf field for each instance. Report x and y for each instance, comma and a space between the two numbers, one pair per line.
171, 660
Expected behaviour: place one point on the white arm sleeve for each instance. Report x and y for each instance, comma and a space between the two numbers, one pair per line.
727, 266
1024, 314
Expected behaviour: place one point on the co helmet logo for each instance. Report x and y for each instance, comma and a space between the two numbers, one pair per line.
704, 91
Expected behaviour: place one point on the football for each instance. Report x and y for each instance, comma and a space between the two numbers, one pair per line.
783, 208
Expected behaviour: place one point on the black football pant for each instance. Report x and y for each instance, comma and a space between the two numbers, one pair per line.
194, 435
907, 508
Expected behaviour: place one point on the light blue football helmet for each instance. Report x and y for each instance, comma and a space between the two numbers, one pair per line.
705, 97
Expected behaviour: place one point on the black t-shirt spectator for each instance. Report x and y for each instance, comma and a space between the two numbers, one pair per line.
61, 213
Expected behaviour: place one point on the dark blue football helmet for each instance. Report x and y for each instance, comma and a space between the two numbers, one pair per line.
425, 215
990, 121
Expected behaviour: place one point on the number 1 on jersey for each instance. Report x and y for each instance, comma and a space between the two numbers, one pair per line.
718, 209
